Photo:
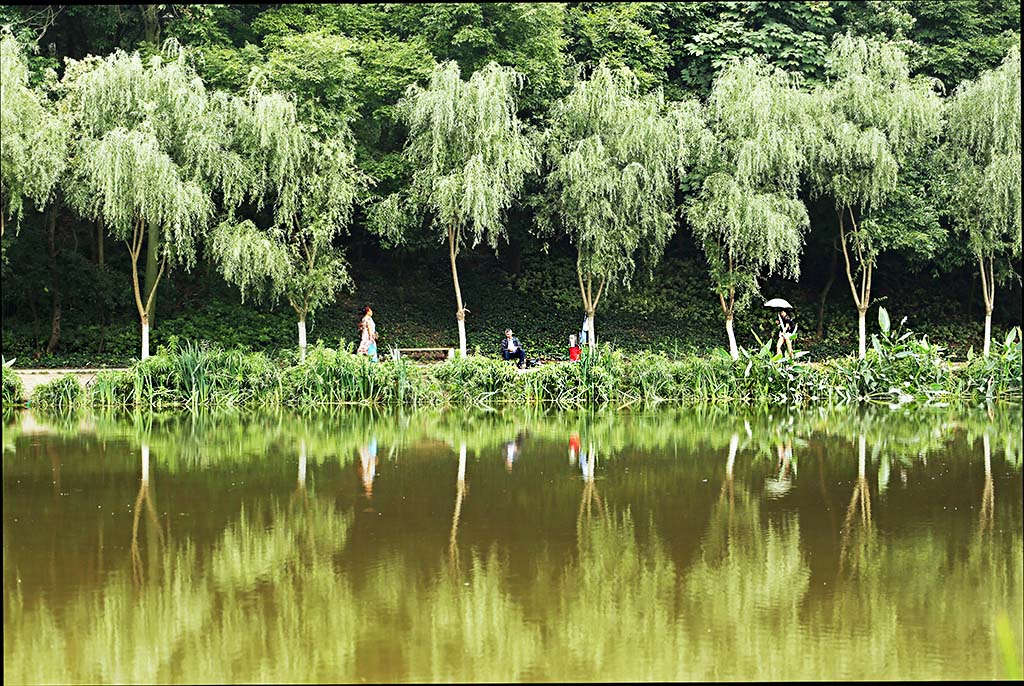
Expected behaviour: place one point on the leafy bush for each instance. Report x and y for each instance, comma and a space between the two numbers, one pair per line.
999, 374
13, 388
899, 368
63, 393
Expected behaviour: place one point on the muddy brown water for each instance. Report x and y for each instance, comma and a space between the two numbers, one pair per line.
699, 544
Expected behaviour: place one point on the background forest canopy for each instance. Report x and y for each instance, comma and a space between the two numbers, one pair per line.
284, 163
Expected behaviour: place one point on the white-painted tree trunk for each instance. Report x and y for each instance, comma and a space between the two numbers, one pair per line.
734, 443
145, 463
302, 340
145, 340
591, 330
588, 475
862, 452
862, 334
988, 330
734, 351
462, 335
462, 462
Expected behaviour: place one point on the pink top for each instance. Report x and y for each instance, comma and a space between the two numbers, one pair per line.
369, 333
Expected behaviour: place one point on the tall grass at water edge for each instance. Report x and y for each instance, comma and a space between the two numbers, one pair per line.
898, 368
13, 388
63, 393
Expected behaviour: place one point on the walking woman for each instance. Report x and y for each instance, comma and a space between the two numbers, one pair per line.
787, 327
368, 339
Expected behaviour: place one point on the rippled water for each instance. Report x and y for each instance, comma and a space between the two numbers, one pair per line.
455, 546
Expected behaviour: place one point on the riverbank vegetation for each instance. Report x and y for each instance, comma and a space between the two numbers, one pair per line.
899, 367
302, 156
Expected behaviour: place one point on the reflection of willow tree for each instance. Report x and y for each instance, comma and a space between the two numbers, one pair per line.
745, 592
460, 493
144, 499
266, 594
615, 607
986, 516
859, 540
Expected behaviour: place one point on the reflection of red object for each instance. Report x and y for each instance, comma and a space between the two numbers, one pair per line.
574, 353
574, 442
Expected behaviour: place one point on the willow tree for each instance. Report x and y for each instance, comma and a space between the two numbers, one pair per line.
612, 153
746, 216
148, 154
470, 156
983, 183
312, 183
33, 137
873, 119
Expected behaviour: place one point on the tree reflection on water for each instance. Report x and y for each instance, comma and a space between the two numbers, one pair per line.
675, 562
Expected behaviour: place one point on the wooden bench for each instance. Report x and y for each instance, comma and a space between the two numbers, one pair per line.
396, 353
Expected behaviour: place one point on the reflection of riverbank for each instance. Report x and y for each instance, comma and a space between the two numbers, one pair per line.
279, 595
666, 559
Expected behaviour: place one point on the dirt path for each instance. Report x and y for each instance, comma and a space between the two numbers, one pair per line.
35, 377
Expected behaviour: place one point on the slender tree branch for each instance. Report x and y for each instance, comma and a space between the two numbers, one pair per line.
600, 289
984, 281
583, 291
846, 259
156, 281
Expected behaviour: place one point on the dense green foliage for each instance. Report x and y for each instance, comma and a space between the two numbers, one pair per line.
612, 180
13, 388
126, 102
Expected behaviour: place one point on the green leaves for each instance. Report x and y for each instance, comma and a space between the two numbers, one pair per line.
250, 259
883, 320
868, 121
746, 216
33, 136
613, 156
468, 150
984, 185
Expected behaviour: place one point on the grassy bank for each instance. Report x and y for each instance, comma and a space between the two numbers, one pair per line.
899, 368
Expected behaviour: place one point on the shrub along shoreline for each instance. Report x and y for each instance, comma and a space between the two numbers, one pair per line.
899, 368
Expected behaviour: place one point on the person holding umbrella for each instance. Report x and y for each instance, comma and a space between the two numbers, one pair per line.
787, 324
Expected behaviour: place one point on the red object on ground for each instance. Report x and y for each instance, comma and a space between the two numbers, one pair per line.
574, 353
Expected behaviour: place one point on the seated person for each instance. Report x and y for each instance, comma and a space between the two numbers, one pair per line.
512, 348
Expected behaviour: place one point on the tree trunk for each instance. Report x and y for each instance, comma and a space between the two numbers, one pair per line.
734, 351
460, 312
988, 290
99, 242
152, 269
861, 294
145, 336
862, 335
591, 330
151, 23
988, 329
302, 340
55, 293
135, 249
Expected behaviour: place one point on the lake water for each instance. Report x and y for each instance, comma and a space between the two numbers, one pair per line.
516, 546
